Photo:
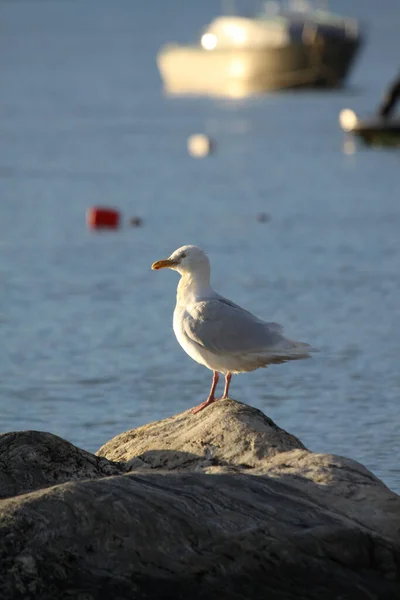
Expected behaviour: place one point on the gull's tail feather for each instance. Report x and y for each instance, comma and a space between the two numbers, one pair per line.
302, 347
289, 350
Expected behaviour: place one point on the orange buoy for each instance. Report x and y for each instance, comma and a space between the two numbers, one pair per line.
102, 218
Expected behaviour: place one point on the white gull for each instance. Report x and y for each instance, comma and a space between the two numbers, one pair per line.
217, 333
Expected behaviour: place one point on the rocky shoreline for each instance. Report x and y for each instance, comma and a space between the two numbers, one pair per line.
223, 504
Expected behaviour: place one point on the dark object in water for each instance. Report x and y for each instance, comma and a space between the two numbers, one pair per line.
263, 217
379, 132
136, 222
375, 131
390, 99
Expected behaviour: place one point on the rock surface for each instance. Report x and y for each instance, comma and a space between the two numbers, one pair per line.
31, 460
223, 504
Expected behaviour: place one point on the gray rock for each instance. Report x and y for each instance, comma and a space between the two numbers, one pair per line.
223, 504
31, 460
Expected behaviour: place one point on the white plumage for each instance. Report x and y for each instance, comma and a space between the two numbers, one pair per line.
217, 333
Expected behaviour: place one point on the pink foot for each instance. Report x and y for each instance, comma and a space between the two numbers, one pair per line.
200, 407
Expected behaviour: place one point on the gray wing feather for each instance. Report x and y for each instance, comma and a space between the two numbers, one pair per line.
221, 326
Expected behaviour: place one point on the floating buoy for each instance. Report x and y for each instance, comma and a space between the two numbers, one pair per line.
200, 145
102, 218
348, 119
136, 221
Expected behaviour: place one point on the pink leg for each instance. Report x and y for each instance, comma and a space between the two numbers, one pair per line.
211, 398
228, 378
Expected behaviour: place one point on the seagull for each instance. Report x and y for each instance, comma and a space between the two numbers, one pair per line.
217, 333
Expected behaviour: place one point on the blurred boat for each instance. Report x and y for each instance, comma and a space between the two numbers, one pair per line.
277, 49
374, 131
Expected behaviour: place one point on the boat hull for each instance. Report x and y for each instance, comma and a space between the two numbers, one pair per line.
379, 132
242, 72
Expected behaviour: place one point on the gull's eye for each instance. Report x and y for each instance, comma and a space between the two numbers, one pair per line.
183, 255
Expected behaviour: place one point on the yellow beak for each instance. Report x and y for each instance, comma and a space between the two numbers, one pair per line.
166, 263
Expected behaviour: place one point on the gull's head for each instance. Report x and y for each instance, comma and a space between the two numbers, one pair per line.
187, 259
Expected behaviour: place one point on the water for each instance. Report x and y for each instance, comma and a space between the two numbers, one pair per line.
88, 347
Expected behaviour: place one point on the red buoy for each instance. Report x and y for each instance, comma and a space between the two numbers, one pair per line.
102, 218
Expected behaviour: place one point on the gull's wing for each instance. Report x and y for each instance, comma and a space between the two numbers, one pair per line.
223, 327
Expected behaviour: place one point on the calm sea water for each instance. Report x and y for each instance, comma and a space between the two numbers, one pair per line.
87, 344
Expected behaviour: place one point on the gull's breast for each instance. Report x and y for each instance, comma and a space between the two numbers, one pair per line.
195, 351
224, 363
